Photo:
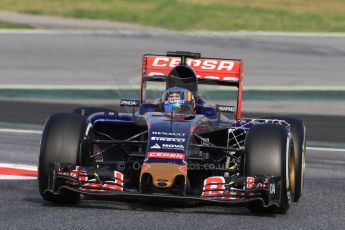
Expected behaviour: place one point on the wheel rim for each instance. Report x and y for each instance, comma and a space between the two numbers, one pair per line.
292, 182
291, 166
290, 170
303, 166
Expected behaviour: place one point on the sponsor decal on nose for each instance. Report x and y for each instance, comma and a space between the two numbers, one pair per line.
173, 146
173, 134
166, 155
155, 146
170, 139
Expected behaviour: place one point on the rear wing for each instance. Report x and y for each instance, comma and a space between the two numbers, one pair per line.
210, 71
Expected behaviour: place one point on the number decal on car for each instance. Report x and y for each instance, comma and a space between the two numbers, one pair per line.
213, 186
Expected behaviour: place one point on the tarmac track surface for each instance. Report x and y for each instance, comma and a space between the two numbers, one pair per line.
321, 207
319, 127
114, 57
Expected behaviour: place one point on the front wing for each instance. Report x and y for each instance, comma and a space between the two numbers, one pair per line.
105, 181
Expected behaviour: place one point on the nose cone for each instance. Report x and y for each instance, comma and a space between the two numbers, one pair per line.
163, 174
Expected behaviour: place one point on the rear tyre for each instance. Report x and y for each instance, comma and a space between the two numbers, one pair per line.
60, 144
269, 151
87, 111
298, 131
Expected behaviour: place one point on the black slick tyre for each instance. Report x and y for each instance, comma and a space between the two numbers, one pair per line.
60, 144
298, 132
269, 151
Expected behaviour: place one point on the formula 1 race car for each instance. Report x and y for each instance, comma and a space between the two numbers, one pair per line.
177, 147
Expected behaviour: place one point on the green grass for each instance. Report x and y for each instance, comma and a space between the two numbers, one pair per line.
6, 25
215, 15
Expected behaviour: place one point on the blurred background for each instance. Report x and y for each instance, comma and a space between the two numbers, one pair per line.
59, 54
56, 55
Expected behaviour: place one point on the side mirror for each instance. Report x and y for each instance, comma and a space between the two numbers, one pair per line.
224, 109
130, 103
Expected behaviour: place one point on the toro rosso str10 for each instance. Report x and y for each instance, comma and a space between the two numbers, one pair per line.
177, 147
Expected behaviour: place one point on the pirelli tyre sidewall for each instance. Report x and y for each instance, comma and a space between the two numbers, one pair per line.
298, 131
269, 151
60, 144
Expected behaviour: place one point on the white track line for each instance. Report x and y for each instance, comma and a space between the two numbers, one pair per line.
40, 132
326, 149
18, 166
4, 130
11, 177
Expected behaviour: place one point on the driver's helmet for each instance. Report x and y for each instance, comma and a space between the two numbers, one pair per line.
178, 100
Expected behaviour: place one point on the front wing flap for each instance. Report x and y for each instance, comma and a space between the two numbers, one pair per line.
105, 181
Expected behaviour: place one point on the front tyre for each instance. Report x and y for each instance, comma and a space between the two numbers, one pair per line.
60, 144
298, 132
269, 151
